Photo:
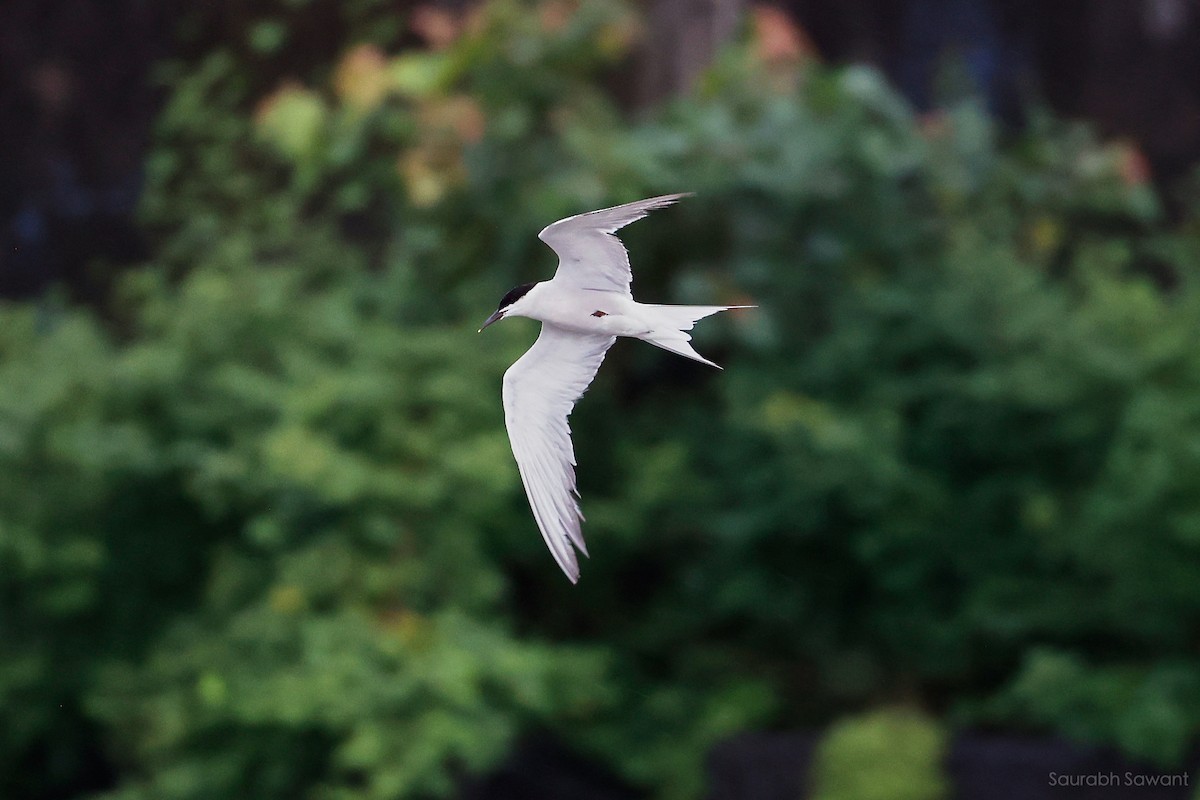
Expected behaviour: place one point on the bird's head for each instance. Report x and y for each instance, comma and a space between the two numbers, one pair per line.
509, 304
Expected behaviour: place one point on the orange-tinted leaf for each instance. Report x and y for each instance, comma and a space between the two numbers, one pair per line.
554, 15
460, 115
779, 40
1132, 164
430, 172
361, 80
437, 26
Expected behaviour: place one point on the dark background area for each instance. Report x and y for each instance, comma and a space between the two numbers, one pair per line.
77, 93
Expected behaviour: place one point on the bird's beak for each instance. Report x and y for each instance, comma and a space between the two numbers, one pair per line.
499, 315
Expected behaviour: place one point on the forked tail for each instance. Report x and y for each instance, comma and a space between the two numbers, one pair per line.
673, 321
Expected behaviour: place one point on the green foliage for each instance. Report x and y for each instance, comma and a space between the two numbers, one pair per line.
884, 755
254, 445
260, 532
1148, 710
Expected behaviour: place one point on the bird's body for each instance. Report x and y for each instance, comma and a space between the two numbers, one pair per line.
567, 307
582, 309
611, 314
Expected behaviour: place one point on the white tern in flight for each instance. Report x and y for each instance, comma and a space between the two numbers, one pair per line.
583, 309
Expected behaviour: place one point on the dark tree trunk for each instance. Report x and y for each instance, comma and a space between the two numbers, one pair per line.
682, 36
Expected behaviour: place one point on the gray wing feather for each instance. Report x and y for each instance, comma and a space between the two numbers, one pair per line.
590, 256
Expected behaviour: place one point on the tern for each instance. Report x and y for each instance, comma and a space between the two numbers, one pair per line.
583, 309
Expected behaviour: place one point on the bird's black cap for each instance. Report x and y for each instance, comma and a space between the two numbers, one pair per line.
515, 294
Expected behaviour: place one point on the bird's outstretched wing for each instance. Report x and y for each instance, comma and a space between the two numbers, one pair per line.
589, 255
540, 390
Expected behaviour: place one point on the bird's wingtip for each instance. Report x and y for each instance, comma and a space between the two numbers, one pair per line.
671, 198
662, 200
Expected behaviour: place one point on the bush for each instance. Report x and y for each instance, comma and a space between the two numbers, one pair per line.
884, 755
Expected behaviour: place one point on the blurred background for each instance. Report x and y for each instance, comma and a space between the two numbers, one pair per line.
934, 532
